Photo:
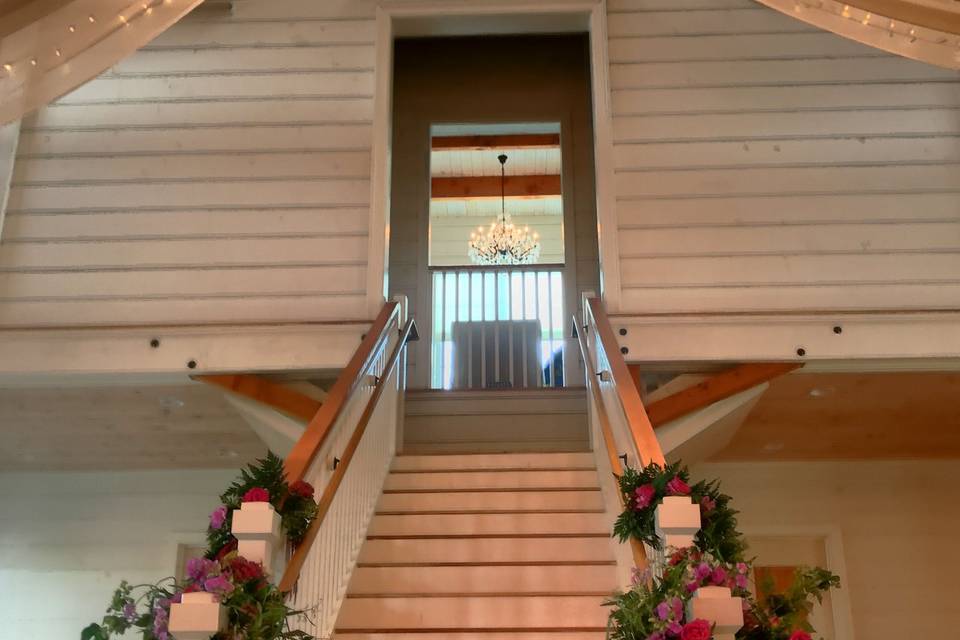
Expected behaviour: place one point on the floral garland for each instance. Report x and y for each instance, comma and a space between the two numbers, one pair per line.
256, 609
655, 607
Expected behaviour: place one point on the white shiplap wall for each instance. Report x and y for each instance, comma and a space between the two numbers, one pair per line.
220, 174
762, 164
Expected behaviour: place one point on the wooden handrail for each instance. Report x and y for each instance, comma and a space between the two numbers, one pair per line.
636, 547
292, 572
320, 427
648, 447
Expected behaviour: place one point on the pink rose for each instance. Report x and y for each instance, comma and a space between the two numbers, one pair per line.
677, 487
719, 576
644, 496
699, 629
256, 494
800, 635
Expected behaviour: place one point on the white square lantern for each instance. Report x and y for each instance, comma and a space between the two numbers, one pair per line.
718, 607
256, 526
677, 521
197, 616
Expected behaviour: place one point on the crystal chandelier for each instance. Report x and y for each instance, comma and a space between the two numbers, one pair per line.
503, 242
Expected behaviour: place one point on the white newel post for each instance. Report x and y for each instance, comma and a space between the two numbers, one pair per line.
256, 526
716, 605
677, 521
197, 616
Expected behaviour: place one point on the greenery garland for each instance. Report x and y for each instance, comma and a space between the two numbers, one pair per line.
256, 609
655, 607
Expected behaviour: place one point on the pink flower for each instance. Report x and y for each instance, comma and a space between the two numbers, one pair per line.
218, 517
707, 504
256, 494
692, 586
742, 567
677, 605
741, 581
674, 629
699, 629
800, 635
702, 571
218, 585
719, 576
644, 496
677, 487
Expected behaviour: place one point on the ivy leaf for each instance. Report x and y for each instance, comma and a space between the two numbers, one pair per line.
94, 632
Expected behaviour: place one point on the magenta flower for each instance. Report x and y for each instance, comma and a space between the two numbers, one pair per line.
677, 605
218, 517
719, 576
697, 630
218, 585
692, 586
674, 629
663, 611
644, 495
741, 581
742, 567
198, 569
707, 504
702, 571
677, 487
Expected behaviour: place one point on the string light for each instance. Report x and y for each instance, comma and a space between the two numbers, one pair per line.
846, 11
72, 29
91, 19
866, 18
33, 62
8, 67
58, 52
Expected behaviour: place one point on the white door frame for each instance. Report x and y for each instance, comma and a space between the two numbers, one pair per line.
440, 18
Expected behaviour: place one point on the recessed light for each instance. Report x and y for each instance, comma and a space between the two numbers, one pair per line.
169, 402
773, 446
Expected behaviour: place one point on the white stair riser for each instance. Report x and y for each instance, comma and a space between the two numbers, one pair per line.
484, 579
490, 550
493, 461
479, 612
492, 501
487, 524
491, 480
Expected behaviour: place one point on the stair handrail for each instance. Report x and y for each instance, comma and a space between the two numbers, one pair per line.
318, 431
642, 436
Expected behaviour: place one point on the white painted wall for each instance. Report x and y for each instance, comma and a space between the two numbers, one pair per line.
897, 520
220, 174
762, 164
68, 539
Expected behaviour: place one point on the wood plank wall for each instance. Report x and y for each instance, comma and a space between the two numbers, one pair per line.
222, 174
762, 164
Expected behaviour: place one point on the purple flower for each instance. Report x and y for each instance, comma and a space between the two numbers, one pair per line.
218, 584
218, 517
130, 611
663, 611
719, 576
674, 629
656, 636
199, 568
160, 621
702, 571
741, 581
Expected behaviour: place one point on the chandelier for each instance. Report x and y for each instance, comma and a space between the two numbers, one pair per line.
503, 242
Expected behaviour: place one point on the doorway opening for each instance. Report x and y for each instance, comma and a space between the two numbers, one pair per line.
493, 206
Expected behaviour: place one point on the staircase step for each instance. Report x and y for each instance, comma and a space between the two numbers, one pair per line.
412, 580
491, 480
487, 524
493, 635
485, 550
467, 613
491, 501
465, 462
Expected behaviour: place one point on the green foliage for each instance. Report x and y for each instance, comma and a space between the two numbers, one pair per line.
126, 610
718, 533
266, 473
779, 614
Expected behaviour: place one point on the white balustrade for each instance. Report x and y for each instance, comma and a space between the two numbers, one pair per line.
720, 608
323, 579
677, 521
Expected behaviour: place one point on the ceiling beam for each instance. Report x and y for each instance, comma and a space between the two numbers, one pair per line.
470, 188
715, 388
481, 143
275, 395
939, 19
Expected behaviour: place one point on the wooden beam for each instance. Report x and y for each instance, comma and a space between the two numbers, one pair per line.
286, 401
939, 19
469, 188
716, 388
483, 143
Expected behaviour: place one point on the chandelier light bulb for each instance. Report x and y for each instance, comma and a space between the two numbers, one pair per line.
504, 243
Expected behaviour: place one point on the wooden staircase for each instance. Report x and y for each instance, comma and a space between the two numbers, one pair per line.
510, 546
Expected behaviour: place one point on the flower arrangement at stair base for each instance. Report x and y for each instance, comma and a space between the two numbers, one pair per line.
664, 606
255, 609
